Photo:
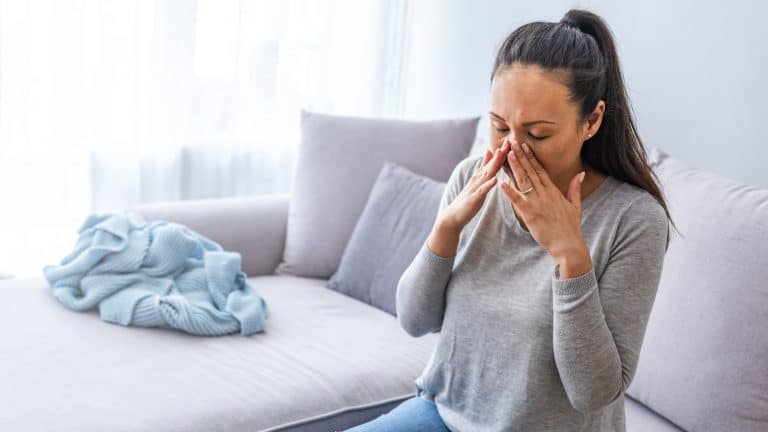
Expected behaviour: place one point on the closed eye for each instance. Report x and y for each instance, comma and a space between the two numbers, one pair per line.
539, 138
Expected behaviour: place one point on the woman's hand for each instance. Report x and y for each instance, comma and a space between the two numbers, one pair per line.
469, 201
553, 220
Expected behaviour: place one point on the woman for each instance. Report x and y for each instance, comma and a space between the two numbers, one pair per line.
540, 288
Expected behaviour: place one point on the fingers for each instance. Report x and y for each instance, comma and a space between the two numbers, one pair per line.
528, 172
486, 186
498, 159
488, 156
492, 161
523, 182
574, 190
540, 171
518, 199
507, 168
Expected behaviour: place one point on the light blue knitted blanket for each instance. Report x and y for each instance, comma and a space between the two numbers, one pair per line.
156, 274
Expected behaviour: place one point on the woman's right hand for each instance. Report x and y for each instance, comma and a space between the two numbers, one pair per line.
469, 201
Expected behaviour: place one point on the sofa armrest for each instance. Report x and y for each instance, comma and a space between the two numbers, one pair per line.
253, 226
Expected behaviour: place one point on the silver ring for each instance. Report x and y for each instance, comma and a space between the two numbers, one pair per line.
527, 190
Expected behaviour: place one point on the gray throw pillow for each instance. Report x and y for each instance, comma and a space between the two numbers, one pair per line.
395, 223
338, 162
704, 363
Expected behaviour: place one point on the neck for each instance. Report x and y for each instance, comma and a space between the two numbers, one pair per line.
563, 182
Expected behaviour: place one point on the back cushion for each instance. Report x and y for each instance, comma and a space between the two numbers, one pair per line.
704, 360
395, 223
338, 162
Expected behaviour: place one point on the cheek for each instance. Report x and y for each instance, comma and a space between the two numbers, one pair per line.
555, 156
544, 153
496, 139
551, 154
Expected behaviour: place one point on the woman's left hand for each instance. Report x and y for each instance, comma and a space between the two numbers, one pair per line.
553, 220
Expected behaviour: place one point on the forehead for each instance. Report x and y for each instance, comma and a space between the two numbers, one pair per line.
522, 92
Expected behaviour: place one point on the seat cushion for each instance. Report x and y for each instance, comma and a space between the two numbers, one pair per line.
325, 362
703, 360
640, 419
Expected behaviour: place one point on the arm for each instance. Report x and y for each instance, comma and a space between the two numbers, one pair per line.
253, 226
420, 295
598, 327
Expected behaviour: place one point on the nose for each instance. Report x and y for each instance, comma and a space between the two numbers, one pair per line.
510, 138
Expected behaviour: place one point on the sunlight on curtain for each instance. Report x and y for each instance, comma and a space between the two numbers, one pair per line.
106, 104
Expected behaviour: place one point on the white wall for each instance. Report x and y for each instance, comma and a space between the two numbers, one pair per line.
695, 70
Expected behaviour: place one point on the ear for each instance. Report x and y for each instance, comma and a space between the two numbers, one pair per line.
594, 119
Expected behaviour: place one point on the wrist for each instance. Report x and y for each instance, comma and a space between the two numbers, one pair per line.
574, 262
443, 240
447, 227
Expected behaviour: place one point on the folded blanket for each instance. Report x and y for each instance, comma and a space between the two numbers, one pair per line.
158, 274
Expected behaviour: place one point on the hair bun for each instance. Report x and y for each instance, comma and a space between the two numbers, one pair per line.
583, 21
568, 22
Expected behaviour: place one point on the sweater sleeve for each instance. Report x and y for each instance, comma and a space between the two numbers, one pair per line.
420, 294
598, 326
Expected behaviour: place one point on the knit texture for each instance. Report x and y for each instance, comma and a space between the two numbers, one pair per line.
520, 349
158, 274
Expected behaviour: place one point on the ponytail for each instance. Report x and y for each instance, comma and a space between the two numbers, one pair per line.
583, 45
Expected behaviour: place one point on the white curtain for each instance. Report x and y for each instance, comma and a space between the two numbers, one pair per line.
107, 104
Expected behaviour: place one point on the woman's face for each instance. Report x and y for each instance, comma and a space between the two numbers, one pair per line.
531, 105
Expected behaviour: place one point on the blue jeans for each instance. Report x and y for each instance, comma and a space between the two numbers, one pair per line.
415, 414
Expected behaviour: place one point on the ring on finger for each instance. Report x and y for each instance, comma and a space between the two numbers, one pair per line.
528, 190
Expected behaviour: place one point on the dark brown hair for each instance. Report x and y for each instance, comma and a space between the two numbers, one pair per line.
582, 46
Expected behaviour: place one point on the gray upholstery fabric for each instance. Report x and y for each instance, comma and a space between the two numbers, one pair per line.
640, 419
338, 162
703, 363
325, 361
253, 226
397, 218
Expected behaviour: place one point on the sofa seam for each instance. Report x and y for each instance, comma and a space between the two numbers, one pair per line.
330, 414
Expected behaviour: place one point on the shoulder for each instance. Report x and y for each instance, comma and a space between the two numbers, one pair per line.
637, 203
464, 169
468, 165
641, 216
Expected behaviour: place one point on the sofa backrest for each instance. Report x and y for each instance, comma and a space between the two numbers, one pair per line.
704, 363
254, 226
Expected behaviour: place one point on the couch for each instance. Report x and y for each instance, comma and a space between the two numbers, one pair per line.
328, 361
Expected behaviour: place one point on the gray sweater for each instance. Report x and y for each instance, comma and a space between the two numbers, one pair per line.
520, 349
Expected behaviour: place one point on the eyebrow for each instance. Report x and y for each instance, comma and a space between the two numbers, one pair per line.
524, 124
